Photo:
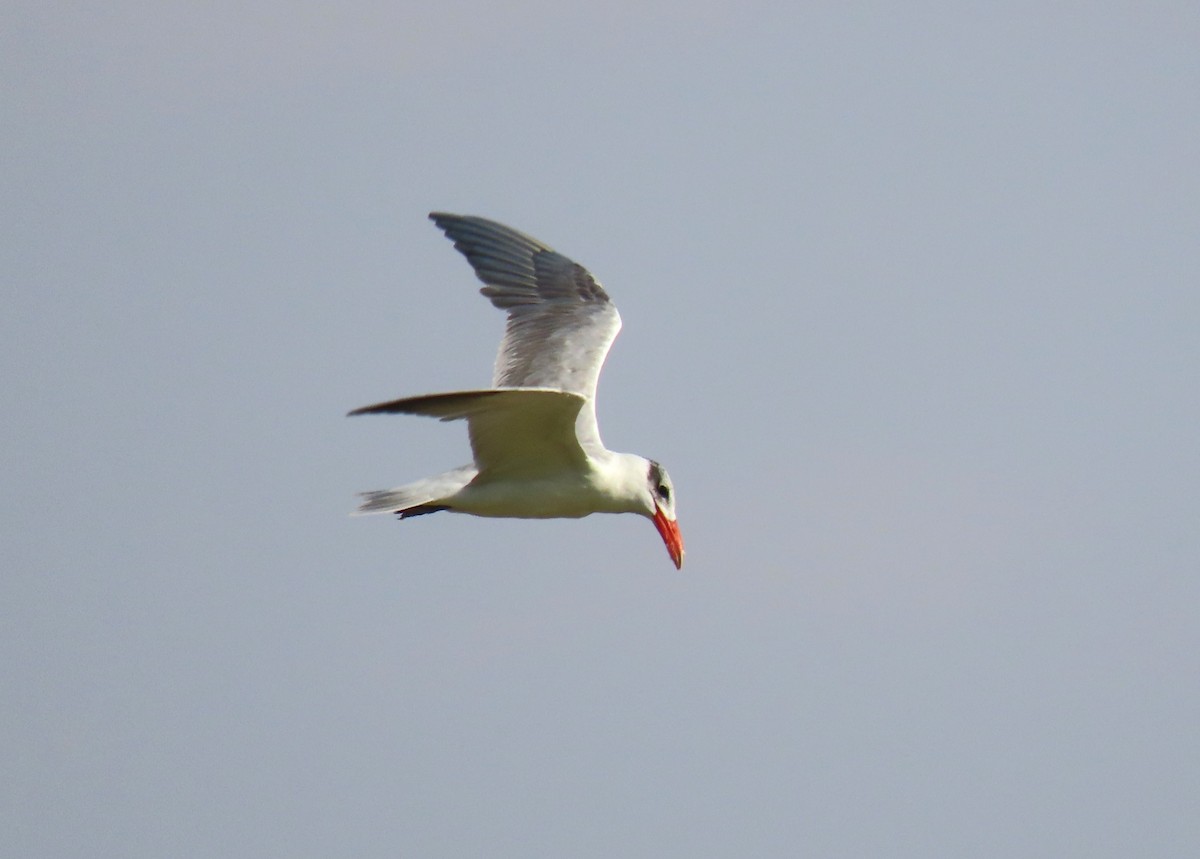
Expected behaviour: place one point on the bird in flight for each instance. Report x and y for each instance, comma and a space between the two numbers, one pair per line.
534, 438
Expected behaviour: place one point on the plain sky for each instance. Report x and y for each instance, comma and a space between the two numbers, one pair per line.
912, 315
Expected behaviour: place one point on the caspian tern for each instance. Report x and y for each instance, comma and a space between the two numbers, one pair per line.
534, 436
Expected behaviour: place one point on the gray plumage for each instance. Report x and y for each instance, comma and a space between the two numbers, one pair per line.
561, 323
535, 443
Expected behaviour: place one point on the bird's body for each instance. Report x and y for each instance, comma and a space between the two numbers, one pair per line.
536, 445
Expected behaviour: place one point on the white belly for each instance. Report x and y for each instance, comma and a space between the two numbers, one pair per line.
531, 499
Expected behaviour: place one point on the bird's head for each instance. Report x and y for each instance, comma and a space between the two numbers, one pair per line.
660, 508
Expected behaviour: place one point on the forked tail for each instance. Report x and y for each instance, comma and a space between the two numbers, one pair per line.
416, 499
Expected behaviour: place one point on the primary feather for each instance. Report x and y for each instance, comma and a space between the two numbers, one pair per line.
561, 322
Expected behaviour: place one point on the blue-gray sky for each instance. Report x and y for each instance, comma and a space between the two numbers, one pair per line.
911, 315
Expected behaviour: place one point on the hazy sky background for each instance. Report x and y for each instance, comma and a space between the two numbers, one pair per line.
912, 316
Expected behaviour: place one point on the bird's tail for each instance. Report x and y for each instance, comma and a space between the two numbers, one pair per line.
414, 499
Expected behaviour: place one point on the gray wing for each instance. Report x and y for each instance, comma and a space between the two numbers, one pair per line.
560, 320
519, 433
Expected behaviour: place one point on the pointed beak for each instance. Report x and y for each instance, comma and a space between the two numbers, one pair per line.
668, 529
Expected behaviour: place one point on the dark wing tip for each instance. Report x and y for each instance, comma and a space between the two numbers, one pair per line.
518, 269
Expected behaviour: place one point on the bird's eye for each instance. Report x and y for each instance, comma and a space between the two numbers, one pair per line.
664, 492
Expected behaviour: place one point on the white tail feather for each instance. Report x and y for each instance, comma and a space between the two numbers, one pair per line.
433, 491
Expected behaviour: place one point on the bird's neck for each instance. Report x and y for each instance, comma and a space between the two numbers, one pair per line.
621, 477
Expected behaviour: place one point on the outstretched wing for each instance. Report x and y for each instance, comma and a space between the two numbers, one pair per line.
519, 433
560, 320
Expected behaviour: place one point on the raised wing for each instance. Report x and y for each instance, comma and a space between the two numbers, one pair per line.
516, 433
560, 320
